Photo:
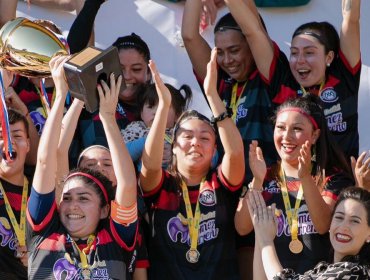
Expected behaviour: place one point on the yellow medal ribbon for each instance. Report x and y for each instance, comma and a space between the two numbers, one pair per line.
193, 221
292, 214
84, 264
168, 139
19, 229
320, 89
234, 103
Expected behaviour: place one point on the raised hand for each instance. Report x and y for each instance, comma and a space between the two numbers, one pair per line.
304, 167
361, 170
108, 96
57, 72
164, 94
7, 77
263, 218
12, 100
210, 81
257, 163
210, 8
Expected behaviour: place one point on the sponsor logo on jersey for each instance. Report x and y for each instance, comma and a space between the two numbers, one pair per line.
207, 198
329, 95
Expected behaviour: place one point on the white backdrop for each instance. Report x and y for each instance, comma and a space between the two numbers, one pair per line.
158, 23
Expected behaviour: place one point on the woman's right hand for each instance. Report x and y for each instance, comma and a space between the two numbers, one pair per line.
361, 170
57, 72
263, 218
257, 163
163, 92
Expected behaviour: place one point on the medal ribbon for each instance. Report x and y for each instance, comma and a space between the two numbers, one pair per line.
234, 103
44, 98
193, 221
85, 251
168, 139
19, 229
305, 92
5, 122
292, 214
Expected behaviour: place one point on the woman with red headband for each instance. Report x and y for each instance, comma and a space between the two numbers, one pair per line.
321, 62
304, 185
82, 238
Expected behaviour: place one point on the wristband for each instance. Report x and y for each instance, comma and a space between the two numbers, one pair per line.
227, 114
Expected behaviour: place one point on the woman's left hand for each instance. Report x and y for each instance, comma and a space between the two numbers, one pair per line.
304, 167
108, 96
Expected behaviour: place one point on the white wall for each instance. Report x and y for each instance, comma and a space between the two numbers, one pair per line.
158, 22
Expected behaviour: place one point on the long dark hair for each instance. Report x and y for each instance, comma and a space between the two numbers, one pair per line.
362, 196
328, 155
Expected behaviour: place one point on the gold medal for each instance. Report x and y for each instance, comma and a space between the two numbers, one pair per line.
192, 255
86, 273
295, 246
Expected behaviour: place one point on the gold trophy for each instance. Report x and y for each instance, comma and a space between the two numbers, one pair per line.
26, 48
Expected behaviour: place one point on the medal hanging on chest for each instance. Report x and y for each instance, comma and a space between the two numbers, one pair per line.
234, 102
295, 245
85, 273
82, 265
192, 255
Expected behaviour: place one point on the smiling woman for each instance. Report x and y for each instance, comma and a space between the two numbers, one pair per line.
304, 185
349, 236
82, 239
192, 203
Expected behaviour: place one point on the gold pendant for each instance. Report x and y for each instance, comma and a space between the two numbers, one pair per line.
86, 273
192, 255
295, 246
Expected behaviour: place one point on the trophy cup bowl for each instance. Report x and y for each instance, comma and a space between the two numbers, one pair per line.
27, 47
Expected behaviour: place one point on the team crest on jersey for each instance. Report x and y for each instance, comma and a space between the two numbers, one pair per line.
207, 198
329, 95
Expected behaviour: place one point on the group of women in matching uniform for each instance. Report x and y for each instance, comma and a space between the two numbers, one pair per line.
282, 133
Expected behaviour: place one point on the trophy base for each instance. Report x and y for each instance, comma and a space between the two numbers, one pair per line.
86, 69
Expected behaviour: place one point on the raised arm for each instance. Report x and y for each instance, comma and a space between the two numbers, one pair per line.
68, 129
350, 31
46, 167
233, 163
151, 170
246, 15
243, 222
319, 207
126, 193
8, 10
196, 46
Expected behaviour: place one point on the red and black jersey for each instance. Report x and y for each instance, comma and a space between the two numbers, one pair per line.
316, 247
52, 253
170, 238
339, 97
10, 266
255, 110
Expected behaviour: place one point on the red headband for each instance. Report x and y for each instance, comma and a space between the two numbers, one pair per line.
299, 110
104, 191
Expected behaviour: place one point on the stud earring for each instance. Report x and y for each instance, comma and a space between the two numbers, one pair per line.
367, 241
327, 64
